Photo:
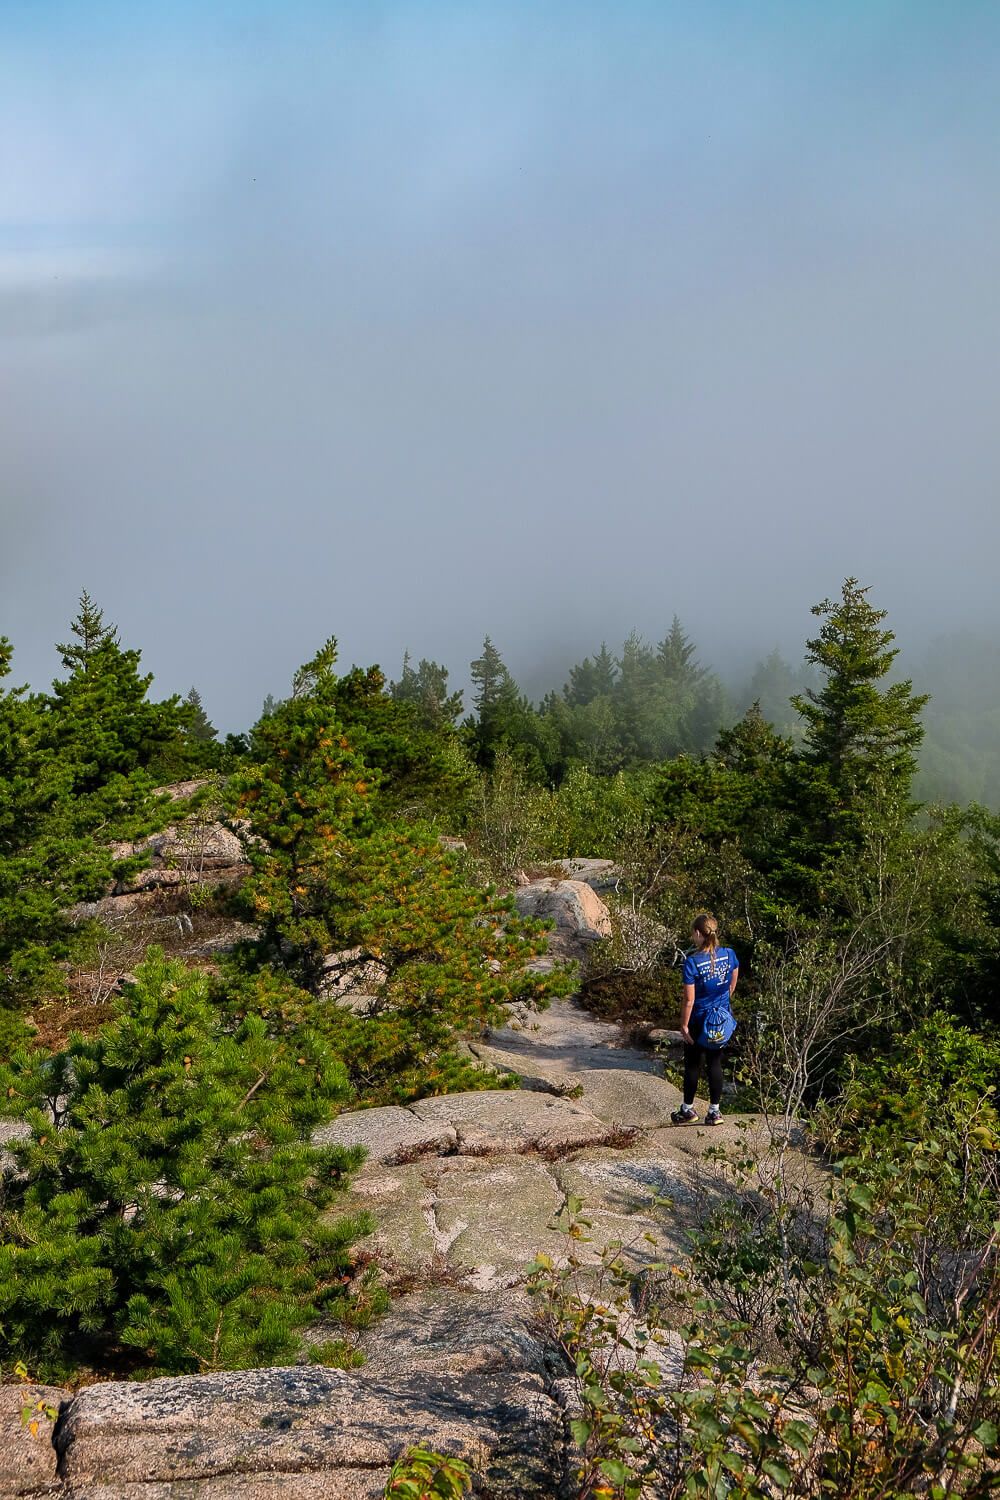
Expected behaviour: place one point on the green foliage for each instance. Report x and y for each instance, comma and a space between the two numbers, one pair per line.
504, 720
620, 1429
354, 903
426, 688
862, 735
510, 820
168, 1212
424, 1475
50, 812
416, 754
850, 1349
101, 723
830, 1366
74, 777
925, 1114
302, 800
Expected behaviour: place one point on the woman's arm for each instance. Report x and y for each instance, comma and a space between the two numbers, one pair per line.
686, 1010
734, 976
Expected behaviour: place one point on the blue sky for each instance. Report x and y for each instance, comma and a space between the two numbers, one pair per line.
409, 322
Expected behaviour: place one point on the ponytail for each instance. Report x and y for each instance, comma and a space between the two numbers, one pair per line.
708, 928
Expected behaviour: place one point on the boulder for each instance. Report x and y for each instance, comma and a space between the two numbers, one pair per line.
621, 1097
579, 915
452, 845
600, 874
181, 791
305, 1432
11, 1132
389, 1135
488, 1122
446, 1331
353, 980
27, 1459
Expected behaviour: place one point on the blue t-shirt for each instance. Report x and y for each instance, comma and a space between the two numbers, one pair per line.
710, 979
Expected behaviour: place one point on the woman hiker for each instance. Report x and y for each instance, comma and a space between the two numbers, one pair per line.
707, 1021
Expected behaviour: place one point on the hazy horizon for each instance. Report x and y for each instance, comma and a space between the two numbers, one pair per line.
408, 324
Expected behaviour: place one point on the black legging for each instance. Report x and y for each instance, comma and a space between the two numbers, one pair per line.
694, 1056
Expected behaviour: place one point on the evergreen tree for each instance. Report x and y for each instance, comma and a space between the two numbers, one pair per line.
420, 763
426, 688
197, 725
50, 853
604, 672
304, 796
861, 731
773, 685
495, 687
341, 890
173, 1209
101, 721
91, 634
675, 657
499, 708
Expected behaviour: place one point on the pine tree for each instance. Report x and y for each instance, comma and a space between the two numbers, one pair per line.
419, 760
675, 657
773, 686
861, 732
101, 719
582, 686
91, 634
426, 687
497, 703
174, 1208
49, 855
198, 726
301, 801
342, 891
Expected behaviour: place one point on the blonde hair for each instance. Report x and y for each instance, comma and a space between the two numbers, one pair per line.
708, 930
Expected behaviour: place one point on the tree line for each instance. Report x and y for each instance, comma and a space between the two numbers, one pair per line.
142, 1234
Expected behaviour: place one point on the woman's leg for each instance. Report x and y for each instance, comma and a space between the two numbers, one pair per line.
715, 1078
692, 1072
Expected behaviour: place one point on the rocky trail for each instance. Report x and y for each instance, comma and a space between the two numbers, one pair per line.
465, 1189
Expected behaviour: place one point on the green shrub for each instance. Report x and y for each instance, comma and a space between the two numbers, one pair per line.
423, 1475
818, 1360
168, 1214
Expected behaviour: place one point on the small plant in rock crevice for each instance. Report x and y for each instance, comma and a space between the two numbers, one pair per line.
424, 1475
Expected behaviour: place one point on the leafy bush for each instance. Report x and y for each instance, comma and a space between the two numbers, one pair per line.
818, 1360
423, 1475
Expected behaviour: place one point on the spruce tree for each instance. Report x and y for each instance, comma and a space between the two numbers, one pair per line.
91, 634
171, 1215
497, 703
49, 855
101, 719
197, 726
675, 657
426, 688
862, 732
